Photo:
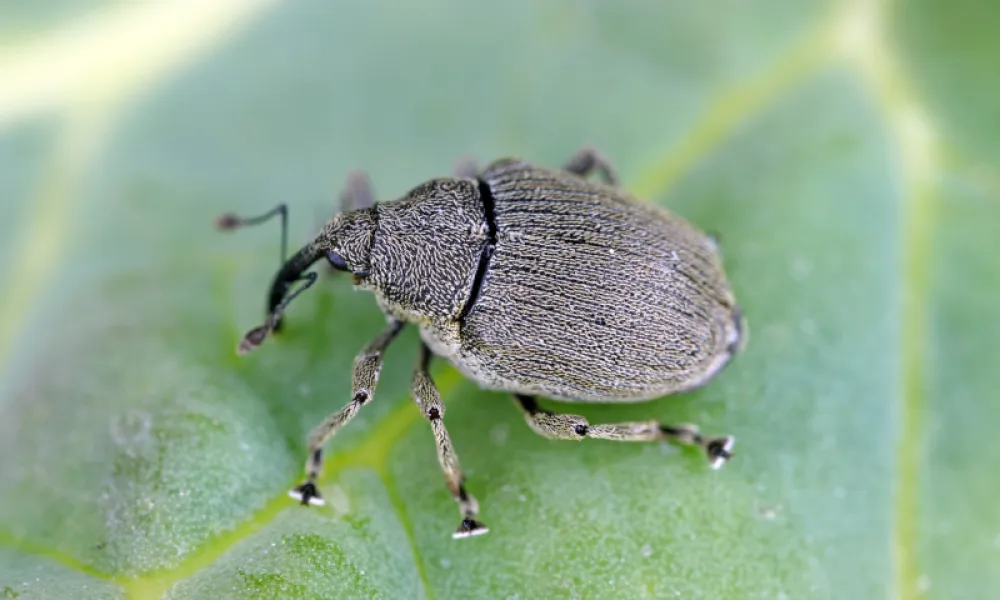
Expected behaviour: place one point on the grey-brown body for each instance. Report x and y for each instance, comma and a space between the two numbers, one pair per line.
588, 294
534, 281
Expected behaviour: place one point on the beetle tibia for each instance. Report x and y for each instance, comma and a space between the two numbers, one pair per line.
469, 528
307, 494
719, 450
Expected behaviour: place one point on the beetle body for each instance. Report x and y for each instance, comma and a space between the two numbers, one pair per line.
538, 282
592, 296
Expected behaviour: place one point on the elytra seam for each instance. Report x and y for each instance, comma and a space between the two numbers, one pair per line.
486, 195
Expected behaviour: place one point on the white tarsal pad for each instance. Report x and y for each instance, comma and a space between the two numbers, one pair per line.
719, 461
314, 501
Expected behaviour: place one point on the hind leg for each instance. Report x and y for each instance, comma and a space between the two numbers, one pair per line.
588, 160
574, 427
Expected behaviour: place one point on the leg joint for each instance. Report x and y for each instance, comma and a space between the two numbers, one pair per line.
530, 405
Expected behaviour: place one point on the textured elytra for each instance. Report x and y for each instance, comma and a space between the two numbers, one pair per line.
593, 295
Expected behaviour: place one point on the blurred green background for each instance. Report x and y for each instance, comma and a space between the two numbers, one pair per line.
845, 152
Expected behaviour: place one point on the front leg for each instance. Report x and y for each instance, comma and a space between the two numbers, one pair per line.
427, 398
466, 167
358, 192
367, 366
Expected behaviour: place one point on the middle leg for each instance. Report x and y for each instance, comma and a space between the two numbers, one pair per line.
574, 427
427, 398
358, 192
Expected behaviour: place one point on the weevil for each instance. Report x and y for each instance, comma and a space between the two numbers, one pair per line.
535, 281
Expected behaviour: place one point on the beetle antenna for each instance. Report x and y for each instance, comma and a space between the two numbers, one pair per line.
278, 299
230, 221
291, 271
255, 337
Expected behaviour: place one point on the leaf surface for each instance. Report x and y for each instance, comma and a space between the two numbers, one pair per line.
842, 153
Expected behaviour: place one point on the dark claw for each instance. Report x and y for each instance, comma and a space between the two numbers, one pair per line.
469, 528
719, 450
307, 494
253, 338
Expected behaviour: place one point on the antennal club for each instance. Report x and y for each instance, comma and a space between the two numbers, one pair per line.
256, 336
231, 221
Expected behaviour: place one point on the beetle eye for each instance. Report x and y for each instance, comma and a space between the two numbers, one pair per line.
336, 260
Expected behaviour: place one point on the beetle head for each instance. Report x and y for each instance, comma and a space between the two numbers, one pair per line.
346, 241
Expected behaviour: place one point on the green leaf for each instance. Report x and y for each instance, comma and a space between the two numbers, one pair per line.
844, 152
357, 548
27, 577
